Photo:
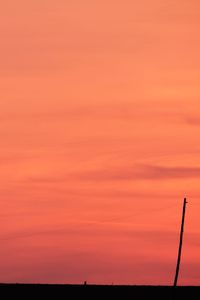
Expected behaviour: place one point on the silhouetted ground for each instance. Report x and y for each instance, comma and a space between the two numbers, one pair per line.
97, 292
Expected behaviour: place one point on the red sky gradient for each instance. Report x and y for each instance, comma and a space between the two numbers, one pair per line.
99, 140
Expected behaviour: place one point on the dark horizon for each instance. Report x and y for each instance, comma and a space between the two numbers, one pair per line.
102, 291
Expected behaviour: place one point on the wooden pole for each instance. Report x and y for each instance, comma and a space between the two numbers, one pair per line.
180, 244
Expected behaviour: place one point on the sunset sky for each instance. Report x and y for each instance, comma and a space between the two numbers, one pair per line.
99, 140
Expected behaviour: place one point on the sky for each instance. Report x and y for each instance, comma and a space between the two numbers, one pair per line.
99, 141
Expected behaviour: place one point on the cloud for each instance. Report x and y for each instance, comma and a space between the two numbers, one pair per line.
121, 110
194, 121
122, 173
141, 172
91, 228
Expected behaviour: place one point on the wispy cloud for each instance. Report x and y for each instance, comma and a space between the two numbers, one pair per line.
128, 110
141, 172
89, 228
195, 121
121, 173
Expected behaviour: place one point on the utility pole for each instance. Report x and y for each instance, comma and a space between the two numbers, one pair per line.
180, 244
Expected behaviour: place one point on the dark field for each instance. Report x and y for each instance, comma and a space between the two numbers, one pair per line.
98, 292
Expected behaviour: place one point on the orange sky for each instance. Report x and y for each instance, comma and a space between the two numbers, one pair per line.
99, 127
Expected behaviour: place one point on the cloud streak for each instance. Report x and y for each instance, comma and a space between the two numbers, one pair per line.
90, 228
193, 121
122, 173
142, 172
